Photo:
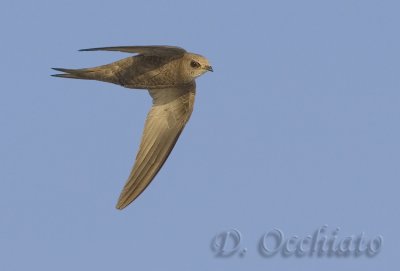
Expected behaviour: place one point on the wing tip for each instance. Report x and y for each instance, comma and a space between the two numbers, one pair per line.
120, 205
126, 199
87, 49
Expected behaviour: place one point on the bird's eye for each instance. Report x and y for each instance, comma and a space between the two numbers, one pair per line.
194, 64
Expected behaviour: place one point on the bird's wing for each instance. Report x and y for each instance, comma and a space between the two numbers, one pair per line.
157, 50
171, 110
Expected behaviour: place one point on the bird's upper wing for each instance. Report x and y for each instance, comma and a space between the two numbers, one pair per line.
171, 110
158, 50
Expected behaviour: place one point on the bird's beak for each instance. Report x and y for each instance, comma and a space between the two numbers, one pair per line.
209, 68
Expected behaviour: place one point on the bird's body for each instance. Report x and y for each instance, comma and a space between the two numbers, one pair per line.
169, 74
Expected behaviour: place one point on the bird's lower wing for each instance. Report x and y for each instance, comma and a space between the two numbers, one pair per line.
171, 110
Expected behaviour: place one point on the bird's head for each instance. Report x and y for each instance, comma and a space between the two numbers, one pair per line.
195, 65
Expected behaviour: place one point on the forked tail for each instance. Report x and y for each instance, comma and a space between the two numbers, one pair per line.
89, 74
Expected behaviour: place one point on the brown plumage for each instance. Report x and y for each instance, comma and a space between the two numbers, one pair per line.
169, 74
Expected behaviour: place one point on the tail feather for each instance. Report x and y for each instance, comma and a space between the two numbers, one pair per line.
74, 73
107, 73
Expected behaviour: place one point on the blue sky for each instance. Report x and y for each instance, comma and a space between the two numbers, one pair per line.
297, 127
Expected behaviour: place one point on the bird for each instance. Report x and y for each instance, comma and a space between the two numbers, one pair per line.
168, 73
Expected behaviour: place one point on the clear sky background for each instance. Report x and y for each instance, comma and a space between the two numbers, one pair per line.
297, 127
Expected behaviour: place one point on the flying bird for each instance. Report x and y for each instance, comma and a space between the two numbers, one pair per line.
169, 74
